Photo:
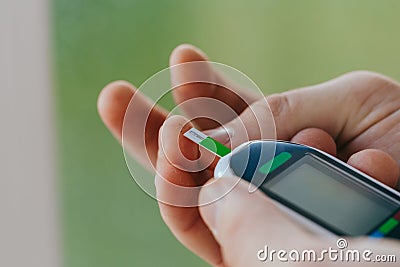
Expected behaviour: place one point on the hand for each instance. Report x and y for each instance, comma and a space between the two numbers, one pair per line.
360, 111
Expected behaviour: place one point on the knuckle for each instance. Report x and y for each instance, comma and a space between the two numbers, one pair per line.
364, 74
278, 104
371, 78
369, 82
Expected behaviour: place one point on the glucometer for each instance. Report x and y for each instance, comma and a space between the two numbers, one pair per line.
323, 193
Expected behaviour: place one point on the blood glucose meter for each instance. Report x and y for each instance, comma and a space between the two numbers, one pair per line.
322, 192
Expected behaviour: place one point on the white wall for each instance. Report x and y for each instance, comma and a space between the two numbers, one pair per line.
28, 202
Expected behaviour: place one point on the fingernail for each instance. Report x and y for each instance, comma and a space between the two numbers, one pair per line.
222, 134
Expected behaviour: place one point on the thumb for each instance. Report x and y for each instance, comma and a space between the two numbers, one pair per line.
333, 106
244, 223
248, 226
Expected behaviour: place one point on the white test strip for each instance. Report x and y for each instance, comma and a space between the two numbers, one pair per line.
195, 135
207, 142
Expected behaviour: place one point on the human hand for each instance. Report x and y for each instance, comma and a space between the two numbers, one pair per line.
368, 119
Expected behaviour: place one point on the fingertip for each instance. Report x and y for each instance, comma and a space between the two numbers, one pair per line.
112, 103
186, 53
172, 142
115, 90
175, 124
316, 138
176, 161
377, 164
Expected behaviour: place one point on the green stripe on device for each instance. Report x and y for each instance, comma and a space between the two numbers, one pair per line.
388, 225
274, 163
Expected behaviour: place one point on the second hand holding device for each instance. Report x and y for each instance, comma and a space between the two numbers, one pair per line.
318, 190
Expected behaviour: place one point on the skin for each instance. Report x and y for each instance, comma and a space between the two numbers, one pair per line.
355, 117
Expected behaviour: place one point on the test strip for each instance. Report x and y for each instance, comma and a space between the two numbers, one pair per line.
207, 142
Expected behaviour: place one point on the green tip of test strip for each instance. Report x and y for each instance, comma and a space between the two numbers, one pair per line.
215, 147
207, 142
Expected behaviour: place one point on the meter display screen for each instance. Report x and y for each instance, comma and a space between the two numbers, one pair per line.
331, 196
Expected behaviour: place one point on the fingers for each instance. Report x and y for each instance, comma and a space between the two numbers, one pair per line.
281, 116
359, 110
377, 164
324, 106
139, 124
142, 121
211, 86
316, 138
347, 108
243, 223
256, 122
184, 222
112, 104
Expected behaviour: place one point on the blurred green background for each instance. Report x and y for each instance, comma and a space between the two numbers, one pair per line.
107, 219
